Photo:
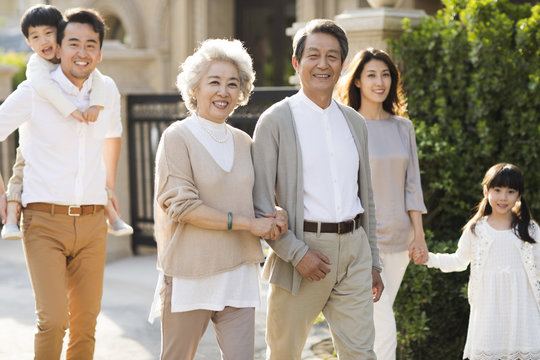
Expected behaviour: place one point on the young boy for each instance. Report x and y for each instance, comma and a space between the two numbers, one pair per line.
39, 25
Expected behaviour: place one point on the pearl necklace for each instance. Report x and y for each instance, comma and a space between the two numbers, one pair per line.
211, 132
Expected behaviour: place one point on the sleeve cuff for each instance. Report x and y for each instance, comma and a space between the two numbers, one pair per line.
14, 192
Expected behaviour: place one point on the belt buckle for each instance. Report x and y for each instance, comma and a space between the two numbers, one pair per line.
74, 207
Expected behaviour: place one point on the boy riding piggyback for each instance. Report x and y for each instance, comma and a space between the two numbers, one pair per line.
39, 25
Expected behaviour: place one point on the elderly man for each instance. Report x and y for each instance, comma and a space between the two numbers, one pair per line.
64, 190
311, 158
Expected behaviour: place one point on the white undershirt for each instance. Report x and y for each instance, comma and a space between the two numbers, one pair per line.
330, 161
236, 288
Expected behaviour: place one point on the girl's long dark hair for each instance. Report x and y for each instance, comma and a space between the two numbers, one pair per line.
347, 93
510, 176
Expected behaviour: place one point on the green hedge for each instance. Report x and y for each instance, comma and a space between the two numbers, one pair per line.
18, 60
472, 76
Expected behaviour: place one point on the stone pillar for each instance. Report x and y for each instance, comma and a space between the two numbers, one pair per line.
6, 74
373, 27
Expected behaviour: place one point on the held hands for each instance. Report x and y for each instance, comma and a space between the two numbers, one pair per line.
89, 116
313, 266
418, 251
272, 226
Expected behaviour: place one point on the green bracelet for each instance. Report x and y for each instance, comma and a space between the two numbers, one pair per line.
229, 221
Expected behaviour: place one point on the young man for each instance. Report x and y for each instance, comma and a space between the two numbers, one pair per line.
310, 154
65, 177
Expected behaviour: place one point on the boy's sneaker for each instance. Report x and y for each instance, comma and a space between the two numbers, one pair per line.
120, 228
11, 232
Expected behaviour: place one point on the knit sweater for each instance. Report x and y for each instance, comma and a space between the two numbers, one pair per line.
186, 177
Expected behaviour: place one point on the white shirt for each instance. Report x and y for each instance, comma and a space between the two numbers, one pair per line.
63, 157
237, 288
330, 161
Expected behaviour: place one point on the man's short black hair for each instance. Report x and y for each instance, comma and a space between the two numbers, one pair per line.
324, 26
84, 16
41, 15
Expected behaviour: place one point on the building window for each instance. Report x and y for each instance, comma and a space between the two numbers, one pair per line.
261, 26
115, 30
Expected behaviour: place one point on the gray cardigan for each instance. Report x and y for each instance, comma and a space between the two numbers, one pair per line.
277, 162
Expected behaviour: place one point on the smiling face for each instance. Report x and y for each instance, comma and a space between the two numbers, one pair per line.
79, 52
42, 40
501, 199
374, 82
218, 91
319, 67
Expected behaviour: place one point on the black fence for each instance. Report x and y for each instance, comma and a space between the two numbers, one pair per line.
148, 117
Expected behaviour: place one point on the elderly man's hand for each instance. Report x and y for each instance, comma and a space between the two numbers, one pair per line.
378, 285
313, 266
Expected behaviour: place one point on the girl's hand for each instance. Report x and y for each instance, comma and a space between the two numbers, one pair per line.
418, 251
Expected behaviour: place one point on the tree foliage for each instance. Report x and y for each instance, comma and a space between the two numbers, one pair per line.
18, 60
472, 76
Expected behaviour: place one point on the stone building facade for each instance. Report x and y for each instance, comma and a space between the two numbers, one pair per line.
148, 39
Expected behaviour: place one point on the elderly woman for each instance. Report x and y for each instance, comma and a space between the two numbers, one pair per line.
207, 235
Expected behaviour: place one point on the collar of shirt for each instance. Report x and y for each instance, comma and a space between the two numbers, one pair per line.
303, 97
67, 86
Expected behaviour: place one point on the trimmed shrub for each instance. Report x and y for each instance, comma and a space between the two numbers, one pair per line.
472, 76
18, 60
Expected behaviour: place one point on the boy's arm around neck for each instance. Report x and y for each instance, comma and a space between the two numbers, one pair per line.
38, 72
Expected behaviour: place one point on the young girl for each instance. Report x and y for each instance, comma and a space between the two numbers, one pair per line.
501, 243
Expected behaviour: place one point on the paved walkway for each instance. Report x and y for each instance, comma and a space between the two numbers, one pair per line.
123, 331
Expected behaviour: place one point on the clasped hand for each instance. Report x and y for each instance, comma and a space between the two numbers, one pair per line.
273, 225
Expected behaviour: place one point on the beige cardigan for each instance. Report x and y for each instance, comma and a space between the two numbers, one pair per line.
186, 177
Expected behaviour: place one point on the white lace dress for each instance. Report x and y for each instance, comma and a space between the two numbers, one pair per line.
504, 321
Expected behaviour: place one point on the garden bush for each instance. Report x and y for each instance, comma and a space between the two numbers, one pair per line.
472, 77
18, 60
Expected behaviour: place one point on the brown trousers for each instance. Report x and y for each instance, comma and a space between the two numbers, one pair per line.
344, 296
181, 332
65, 256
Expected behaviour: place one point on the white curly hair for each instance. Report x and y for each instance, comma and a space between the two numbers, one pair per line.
196, 65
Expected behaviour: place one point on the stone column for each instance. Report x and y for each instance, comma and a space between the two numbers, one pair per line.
373, 27
6, 74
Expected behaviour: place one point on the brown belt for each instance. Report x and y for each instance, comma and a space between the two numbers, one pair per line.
71, 210
343, 227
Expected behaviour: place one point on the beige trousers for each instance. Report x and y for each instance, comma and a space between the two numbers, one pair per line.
344, 296
394, 266
65, 256
181, 332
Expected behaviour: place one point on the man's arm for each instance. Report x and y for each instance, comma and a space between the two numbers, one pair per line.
15, 110
3, 200
265, 152
111, 154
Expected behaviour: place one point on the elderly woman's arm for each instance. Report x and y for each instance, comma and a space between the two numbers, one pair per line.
177, 194
209, 218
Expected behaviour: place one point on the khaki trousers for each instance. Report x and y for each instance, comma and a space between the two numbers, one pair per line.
65, 256
344, 296
181, 332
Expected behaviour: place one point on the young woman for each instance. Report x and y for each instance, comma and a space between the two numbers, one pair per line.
371, 86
